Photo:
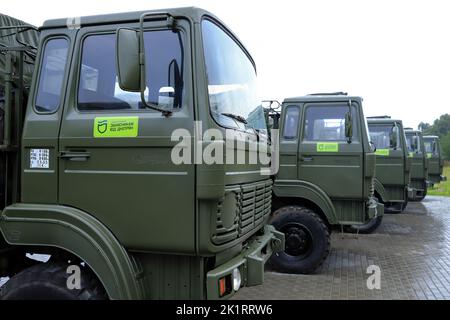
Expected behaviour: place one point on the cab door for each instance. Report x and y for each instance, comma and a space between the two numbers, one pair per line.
115, 155
326, 158
390, 164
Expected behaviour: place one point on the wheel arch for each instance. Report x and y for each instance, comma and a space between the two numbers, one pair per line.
78, 233
380, 190
304, 193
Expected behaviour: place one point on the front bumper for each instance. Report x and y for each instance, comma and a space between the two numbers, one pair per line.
374, 209
250, 262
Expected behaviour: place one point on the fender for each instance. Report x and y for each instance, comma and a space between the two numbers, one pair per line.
379, 188
306, 190
79, 233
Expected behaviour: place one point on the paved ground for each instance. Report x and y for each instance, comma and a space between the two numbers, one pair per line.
412, 250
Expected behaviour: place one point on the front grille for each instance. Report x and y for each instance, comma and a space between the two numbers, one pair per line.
252, 207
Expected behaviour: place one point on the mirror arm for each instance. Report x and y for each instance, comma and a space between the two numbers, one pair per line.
170, 23
350, 119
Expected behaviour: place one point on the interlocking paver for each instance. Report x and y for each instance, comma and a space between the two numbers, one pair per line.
412, 250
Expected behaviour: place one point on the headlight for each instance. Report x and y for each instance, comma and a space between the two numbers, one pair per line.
237, 279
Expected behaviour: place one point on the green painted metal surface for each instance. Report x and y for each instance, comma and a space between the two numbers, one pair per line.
317, 162
101, 184
435, 158
392, 168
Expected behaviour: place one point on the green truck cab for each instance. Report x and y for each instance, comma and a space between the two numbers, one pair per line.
435, 159
325, 177
98, 188
393, 166
419, 164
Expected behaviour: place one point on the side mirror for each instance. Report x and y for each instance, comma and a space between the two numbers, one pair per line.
127, 56
393, 138
374, 147
348, 127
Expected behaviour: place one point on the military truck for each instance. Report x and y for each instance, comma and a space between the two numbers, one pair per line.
435, 159
325, 177
97, 189
393, 166
419, 165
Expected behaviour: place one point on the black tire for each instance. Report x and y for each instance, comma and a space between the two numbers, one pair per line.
48, 281
425, 191
307, 240
404, 205
366, 228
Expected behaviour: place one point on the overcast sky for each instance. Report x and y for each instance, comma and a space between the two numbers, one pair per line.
393, 53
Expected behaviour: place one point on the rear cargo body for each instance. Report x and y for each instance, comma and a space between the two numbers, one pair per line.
18, 44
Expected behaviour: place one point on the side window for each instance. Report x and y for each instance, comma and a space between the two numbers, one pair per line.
382, 135
99, 88
291, 123
327, 123
51, 75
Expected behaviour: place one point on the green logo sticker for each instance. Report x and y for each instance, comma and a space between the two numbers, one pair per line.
382, 152
327, 147
411, 154
429, 155
116, 127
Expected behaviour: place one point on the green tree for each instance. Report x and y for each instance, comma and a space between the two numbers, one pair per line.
424, 126
440, 126
445, 144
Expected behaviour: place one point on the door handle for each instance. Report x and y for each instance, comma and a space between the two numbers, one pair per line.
74, 155
306, 159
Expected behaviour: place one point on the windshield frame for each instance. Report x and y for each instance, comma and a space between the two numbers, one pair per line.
240, 126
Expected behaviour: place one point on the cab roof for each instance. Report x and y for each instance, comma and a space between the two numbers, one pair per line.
124, 17
322, 98
384, 120
409, 130
194, 13
431, 137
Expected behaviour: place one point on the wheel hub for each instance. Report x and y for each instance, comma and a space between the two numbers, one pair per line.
298, 240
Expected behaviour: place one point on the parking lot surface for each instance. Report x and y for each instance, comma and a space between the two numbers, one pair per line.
411, 249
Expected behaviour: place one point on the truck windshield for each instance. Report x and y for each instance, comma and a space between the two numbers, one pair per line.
381, 135
232, 83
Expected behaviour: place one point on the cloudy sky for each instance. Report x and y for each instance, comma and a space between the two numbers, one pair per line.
393, 53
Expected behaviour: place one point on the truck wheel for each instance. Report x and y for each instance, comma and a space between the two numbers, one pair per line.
425, 191
365, 228
404, 205
48, 281
307, 240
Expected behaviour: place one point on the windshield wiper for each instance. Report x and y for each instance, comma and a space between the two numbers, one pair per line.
235, 117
